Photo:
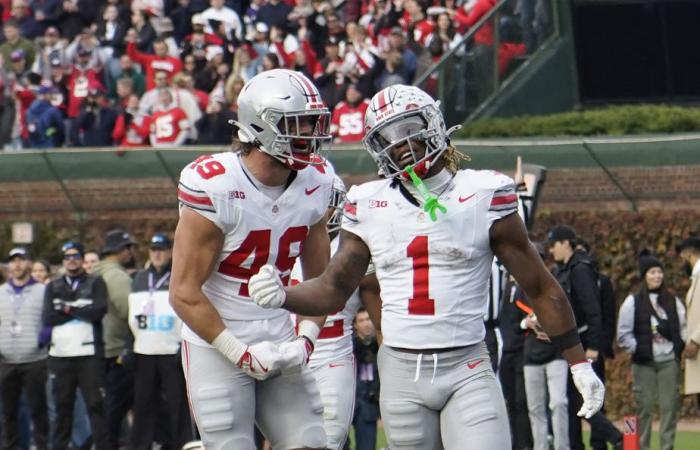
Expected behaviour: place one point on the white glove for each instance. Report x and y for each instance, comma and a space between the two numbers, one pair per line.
266, 288
260, 361
296, 353
590, 387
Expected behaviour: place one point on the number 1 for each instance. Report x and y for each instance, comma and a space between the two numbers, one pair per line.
421, 303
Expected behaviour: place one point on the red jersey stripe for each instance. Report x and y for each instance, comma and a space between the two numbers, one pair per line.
184, 196
504, 199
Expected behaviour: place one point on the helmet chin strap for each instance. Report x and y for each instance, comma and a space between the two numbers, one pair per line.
432, 205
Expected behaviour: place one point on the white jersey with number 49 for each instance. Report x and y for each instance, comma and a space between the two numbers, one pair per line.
433, 275
335, 339
258, 230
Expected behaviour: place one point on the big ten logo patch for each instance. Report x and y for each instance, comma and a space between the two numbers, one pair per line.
378, 203
236, 194
155, 323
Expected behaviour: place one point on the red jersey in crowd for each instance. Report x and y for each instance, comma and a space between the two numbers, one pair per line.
80, 82
135, 135
347, 123
152, 63
464, 19
25, 96
167, 125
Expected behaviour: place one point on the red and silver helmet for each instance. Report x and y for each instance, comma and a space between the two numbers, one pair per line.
282, 113
399, 114
337, 203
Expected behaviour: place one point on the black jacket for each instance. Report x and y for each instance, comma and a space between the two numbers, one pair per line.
510, 318
366, 354
87, 287
579, 280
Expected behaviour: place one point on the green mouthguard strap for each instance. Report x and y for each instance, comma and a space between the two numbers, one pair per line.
431, 202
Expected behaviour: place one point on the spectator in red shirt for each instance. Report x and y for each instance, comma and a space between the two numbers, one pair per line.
468, 18
347, 123
169, 124
81, 80
485, 68
160, 61
416, 21
131, 128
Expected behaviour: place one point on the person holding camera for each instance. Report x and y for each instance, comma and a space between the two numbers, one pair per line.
652, 328
94, 125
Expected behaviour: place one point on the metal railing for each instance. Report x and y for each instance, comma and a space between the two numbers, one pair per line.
470, 75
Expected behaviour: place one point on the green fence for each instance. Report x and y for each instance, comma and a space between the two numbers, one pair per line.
499, 154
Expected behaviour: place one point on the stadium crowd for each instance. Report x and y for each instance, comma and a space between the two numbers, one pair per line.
158, 73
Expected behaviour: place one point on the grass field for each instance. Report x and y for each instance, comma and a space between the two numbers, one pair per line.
685, 440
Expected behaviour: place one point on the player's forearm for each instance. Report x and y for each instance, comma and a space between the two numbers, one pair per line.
556, 317
315, 298
197, 312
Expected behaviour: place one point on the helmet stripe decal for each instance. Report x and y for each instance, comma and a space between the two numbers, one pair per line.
309, 89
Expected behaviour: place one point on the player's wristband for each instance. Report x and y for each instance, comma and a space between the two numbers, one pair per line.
567, 340
227, 344
310, 330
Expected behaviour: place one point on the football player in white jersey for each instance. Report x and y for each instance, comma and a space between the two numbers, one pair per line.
332, 361
432, 231
264, 204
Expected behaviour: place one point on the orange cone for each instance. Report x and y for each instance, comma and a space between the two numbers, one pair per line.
631, 435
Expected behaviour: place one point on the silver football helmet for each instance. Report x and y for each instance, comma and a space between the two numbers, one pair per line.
400, 114
282, 113
337, 203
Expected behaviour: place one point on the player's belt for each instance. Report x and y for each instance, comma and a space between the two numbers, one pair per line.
416, 351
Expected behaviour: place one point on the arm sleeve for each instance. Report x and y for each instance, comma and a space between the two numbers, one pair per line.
136, 55
351, 221
52, 317
584, 284
504, 200
625, 326
191, 194
96, 311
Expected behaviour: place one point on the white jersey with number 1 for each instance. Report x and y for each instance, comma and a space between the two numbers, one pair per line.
335, 339
433, 275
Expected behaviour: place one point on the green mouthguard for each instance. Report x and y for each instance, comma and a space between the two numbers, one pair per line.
431, 202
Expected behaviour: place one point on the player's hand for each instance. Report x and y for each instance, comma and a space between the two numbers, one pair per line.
297, 352
590, 387
266, 288
262, 360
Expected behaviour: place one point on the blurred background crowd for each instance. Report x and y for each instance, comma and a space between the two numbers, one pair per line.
102, 73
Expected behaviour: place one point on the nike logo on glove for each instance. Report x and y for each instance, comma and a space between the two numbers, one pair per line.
312, 190
464, 199
332, 365
473, 364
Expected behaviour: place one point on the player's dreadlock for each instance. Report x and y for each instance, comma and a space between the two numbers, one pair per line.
453, 159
